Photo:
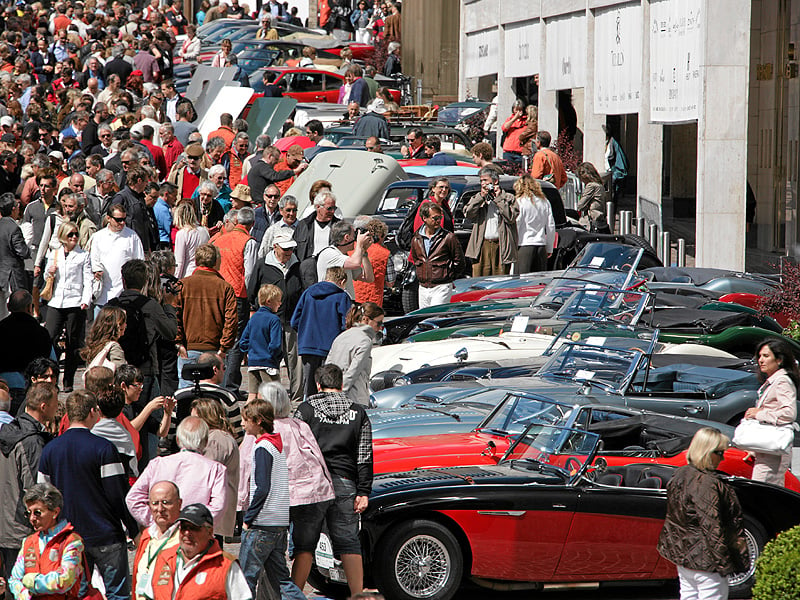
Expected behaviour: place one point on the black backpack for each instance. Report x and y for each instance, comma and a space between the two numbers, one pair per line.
134, 343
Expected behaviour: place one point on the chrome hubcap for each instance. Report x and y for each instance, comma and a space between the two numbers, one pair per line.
422, 566
752, 550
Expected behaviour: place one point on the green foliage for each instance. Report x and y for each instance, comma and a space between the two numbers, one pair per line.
778, 568
793, 330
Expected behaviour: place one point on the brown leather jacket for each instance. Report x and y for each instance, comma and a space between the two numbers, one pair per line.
206, 312
703, 529
443, 264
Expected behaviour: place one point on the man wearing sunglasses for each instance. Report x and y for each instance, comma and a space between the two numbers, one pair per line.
112, 247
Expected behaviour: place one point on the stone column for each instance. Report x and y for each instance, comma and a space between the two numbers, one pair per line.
548, 110
594, 140
650, 156
722, 135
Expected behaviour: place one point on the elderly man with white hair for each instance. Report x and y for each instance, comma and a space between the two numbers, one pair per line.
199, 479
149, 118
217, 176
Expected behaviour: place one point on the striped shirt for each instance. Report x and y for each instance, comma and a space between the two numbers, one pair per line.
269, 484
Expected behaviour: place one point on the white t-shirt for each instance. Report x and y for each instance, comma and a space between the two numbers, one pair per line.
333, 257
322, 237
492, 222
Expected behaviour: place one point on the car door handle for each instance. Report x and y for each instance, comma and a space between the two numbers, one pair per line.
692, 410
502, 513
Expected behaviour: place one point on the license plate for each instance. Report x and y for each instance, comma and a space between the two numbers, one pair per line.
337, 575
323, 555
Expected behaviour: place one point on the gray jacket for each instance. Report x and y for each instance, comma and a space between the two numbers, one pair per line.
352, 352
507, 211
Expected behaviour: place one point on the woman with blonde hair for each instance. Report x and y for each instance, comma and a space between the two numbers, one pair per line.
536, 228
531, 129
703, 532
102, 347
188, 239
71, 269
592, 205
222, 448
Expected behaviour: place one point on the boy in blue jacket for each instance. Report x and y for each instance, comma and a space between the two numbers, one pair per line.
262, 339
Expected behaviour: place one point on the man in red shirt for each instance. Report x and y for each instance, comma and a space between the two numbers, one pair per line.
547, 165
170, 145
155, 151
188, 175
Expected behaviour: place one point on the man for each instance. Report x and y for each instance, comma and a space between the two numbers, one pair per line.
268, 213
9, 179
215, 148
239, 254
159, 161
145, 62
26, 339
313, 233
318, 318
147, 320
225, 130
262, 142
170, 146
90, 136
493, 241
21, 444
233, 159
167, 197
437, 257
162, 534
132, 200
433, 150
344, 433
74, 206
547, 165
117, 65
316, 133
175, 17
373, 144
357, 264
281, 268
43, 60
183, 116
616, 164
106, 137
206, 311
188, 175
294, 158
264, 173
482, 154
369, 76
416, 144
13, 251
93, 70
101, 196
112, 247
373, 123
88, 471
198, 478
287, 206
197, 568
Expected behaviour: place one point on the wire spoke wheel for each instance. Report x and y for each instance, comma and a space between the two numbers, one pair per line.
422, 566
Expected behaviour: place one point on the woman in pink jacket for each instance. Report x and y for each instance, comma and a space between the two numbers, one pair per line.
776, 405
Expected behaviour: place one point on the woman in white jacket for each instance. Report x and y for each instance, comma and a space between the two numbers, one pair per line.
72, 294
352, 350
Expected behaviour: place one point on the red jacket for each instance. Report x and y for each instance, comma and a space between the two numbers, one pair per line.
50, 559
215, 564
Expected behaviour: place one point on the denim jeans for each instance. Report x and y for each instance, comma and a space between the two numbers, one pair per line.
112, 562
265, 548
192, 356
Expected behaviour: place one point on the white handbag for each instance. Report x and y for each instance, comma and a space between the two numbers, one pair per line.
755, 436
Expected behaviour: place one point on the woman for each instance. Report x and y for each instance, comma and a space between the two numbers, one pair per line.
310, 487
592, 205
102, 344
352, 350
438, 193
703, 531
220, 57
191, 45
528, 134
130, 381
50, 563
200, 15
72, 294
512, 129
776, 404
536, 228
379, 255
222, 448
189, 238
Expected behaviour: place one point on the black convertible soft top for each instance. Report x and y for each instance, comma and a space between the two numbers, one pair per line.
706, 321
667, 435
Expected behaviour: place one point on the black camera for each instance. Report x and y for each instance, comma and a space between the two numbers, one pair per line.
171, 284
361, 230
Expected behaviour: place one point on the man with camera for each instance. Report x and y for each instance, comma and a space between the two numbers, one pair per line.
344, 239
493, 242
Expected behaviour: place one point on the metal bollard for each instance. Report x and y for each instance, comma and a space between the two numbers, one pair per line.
627, 222
681, 252
610, 215
419, 92
666, 249
623, 222
641, 227
652, 236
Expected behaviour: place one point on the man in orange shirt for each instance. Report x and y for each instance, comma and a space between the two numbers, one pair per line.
547, 165
225, 130
294, 156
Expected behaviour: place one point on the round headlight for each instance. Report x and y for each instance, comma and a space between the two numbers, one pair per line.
402, 380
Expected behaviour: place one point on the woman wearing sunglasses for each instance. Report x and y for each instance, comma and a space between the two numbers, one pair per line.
71, 268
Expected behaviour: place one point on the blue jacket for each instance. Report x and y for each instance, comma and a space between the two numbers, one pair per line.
262, 339
319, 317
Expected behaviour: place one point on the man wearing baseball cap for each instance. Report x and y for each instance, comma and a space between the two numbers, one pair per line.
188, 173
197, 568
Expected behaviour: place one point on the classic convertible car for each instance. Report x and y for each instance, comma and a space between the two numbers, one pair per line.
548, 511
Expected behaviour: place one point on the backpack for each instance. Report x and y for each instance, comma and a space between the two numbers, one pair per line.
134, 342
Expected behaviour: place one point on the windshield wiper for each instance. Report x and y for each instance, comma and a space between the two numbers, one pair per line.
494, 430
438, 410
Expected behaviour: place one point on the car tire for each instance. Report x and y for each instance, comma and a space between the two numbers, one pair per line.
431, 550
410, 299
741, 584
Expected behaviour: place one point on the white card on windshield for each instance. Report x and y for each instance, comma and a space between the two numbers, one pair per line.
595, 341
519, 324
583, 374
597, 261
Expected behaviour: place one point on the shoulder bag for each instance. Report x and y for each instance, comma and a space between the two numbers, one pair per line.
46, 293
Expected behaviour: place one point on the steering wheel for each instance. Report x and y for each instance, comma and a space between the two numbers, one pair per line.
572, 469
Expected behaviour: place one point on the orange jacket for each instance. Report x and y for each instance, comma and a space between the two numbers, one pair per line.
205, 581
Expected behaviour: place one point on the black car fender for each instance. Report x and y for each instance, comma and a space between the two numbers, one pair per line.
776, 508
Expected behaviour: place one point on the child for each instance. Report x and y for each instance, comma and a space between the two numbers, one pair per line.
266, 521
262, 339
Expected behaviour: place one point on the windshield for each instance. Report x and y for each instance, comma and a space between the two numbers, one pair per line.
518, 411
609, 334
608, 367
624, 307
556, 293
600, 255
567, 449
455, 114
